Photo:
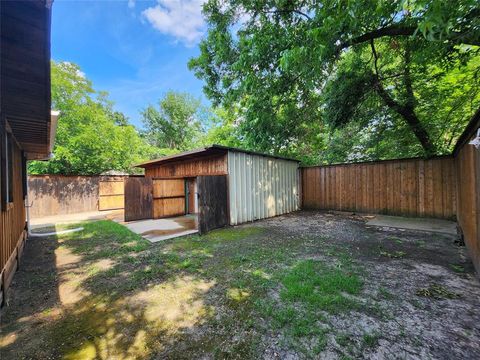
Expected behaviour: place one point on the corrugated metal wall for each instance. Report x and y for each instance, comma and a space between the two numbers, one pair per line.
261, 187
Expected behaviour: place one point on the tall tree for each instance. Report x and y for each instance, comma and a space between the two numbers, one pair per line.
176, 123
295, 66
91, 137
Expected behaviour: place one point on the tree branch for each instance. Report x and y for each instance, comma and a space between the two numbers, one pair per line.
405, 111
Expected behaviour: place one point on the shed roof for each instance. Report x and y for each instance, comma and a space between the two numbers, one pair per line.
205, 151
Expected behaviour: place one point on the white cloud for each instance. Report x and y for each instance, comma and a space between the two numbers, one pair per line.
131, 4
181, 19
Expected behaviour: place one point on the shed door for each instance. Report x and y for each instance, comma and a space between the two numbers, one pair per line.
138, 198
213, 202
168, 197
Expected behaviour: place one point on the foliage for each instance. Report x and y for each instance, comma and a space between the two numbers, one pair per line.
305, 74
176, 124
223, 129
91, 138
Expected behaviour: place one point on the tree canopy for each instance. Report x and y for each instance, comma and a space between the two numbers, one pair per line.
176, 123
344, 80
91, 138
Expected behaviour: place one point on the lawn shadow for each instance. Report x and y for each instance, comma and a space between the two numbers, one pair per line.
116, 296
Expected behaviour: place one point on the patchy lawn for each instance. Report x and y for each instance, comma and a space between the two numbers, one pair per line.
305, 285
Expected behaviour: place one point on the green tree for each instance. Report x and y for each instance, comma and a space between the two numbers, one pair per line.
176, 123
91, 138
305, 72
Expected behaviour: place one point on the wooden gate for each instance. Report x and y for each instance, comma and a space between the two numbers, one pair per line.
213, 202
110, 194
138, 198
168, 197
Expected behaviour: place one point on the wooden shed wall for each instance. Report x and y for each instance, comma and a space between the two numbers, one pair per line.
211, 165
12, 226
414, 187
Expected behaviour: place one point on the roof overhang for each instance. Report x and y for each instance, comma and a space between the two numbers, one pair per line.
25, 74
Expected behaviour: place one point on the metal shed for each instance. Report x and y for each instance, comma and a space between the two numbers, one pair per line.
254, 186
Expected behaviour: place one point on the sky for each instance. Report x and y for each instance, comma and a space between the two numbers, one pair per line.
136, 50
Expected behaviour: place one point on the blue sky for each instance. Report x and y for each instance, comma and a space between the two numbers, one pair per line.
136, 50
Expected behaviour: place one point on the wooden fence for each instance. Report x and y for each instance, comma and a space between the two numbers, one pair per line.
413, 187
59, 194
443, 187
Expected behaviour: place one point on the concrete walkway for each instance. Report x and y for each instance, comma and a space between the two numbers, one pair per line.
46, 221
155, 230
420, 224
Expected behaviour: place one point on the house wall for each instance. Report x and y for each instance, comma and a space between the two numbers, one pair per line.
467, 165
261, 187
413, 187
211, 165
12, 226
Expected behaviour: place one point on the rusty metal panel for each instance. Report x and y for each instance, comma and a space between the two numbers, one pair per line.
261, 187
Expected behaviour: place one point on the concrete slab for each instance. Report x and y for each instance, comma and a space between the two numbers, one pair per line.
155, 230
48, 221
420, 224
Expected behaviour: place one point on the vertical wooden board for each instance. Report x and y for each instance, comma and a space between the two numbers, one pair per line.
380, 189
306, 197
429, 188
191, 195
391, 188
323, 188
412, 189
377, 170
314, 184
331, 188
341, 187
213, 206
446, 190
421, 187
437, 188
138, 198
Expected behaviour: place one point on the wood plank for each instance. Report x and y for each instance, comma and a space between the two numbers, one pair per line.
111, 202
168, 188
165, 207
107, 188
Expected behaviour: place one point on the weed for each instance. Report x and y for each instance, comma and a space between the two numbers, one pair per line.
437, 291
457, 268
371, 340
385, 293
393, 255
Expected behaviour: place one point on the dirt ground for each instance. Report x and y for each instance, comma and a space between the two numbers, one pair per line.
304, 285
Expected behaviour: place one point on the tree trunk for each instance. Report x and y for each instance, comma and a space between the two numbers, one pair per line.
411, 119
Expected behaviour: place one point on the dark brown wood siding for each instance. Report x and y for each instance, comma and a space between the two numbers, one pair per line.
213, 202
413, 187
210, 165
12, 224
467, 161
